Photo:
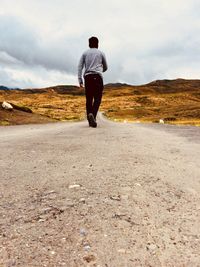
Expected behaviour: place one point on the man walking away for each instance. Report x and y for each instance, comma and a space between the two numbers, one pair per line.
94, 62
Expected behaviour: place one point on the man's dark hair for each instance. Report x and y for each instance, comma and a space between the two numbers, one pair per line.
93, 42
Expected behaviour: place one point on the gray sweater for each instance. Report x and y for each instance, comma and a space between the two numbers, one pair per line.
94, 62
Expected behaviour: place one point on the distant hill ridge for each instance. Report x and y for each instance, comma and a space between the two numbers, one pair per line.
4, 87
160, 86
174, 82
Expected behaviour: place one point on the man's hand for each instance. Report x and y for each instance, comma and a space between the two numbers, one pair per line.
81, 85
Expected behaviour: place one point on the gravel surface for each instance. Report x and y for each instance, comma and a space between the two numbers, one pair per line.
120, 195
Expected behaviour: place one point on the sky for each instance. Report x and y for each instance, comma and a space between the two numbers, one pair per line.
41, 41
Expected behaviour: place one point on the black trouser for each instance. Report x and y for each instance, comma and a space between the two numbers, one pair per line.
93, 92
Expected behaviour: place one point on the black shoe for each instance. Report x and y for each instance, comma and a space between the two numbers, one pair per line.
91, 120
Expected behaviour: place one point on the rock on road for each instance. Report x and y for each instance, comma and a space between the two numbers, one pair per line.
120, 195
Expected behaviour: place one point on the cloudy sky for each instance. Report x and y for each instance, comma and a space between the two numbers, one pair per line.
41, 41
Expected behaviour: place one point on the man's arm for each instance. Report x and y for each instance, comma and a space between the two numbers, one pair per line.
104, 62
80, 69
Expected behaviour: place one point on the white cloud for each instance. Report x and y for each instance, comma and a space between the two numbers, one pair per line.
33, 77
6, 59
143, 40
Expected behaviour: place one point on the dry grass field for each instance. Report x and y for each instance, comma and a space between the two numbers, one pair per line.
174, 101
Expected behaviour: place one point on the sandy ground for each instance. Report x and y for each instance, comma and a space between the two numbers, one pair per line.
117, 196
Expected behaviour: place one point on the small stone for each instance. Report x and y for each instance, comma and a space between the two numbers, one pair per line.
7, 106
151, 247
45, 210
82, 200
83, 232
74, 186
52, 252
118, 198
87, 247
122, 250
41, 220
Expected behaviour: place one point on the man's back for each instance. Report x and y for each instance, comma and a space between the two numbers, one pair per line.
94, 62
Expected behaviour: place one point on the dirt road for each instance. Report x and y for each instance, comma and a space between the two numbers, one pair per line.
120, 195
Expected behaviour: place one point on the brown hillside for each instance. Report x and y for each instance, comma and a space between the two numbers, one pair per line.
17, 117
175, 101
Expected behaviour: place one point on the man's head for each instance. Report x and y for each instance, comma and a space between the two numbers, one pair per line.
93, 42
